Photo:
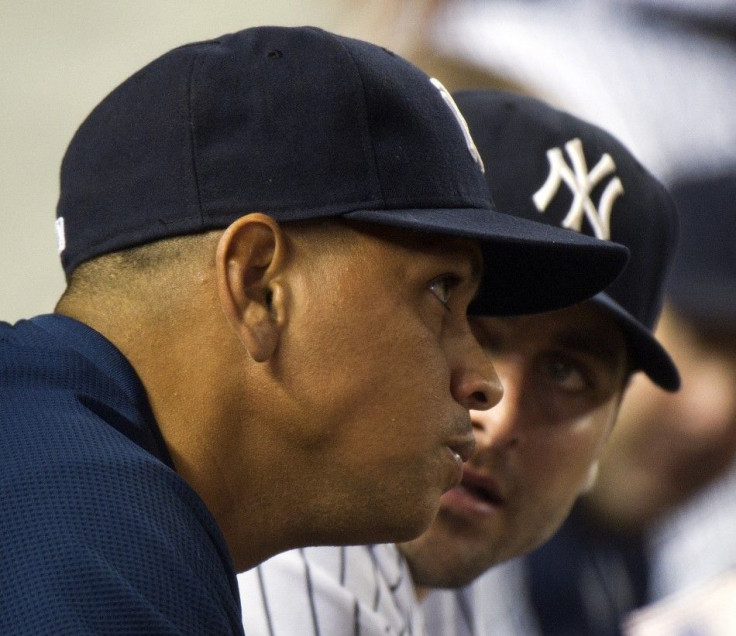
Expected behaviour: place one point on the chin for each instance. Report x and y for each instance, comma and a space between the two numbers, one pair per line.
396, 530
443, 559
414, 530
441, 570
449, 579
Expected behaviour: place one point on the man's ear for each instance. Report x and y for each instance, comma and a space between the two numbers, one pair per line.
250, 259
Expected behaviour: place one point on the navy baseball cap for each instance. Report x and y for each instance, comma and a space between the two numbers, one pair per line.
300, 123
702, 285
549, 166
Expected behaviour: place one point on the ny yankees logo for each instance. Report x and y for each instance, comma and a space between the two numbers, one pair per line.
581, 183
460, 120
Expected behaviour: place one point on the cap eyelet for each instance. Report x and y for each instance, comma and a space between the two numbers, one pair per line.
275, 54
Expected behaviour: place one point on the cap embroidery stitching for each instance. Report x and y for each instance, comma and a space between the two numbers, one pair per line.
460, 120
581, 183
60, 234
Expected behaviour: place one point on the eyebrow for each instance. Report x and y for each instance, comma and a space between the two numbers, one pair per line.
592, 344
474, 258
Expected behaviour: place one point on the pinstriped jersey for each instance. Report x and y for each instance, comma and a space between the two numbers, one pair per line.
331, 591
494, 603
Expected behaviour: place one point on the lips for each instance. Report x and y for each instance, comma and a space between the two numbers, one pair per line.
463, 448
481, 487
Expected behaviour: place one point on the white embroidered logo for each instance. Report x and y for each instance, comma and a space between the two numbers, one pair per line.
581, 183
460, 120
60, 235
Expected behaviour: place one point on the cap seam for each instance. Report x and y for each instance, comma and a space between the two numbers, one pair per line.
368, 131
192, 133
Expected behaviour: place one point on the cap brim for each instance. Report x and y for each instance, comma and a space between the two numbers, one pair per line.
529, 267
647, 354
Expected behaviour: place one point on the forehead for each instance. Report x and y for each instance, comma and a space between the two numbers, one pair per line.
585, 328
405, 242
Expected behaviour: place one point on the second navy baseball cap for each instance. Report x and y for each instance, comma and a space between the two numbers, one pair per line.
549, 166
300, 123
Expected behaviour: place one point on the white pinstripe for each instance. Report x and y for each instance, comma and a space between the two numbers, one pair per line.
331, 591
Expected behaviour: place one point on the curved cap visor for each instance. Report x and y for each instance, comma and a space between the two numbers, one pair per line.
528, 267
647, 354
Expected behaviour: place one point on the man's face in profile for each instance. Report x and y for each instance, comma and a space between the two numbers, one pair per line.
563, 374
379, 368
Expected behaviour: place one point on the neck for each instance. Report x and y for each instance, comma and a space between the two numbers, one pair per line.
189, 366
225, 422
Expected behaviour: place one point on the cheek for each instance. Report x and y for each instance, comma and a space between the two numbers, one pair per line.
371, 381
558, 464
552, 487
378, 392
398, 380
397, 364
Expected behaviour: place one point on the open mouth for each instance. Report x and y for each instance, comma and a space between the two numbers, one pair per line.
481, 488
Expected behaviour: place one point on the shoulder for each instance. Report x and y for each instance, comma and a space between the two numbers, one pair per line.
110, 544
95, 528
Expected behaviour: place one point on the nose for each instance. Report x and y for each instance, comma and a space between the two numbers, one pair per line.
499, 427
474, 382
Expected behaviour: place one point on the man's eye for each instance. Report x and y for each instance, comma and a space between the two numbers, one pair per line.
442, 288
567, 376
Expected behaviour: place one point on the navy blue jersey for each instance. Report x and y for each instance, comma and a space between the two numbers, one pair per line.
98, 533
